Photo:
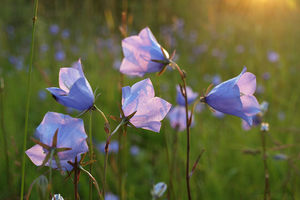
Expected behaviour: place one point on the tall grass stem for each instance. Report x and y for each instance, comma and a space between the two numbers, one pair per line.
34, 19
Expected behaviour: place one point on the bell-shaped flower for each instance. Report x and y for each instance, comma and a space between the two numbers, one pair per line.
235, 97
191, 96
75, 91
150, 110
177, 117
143, 54
62, 134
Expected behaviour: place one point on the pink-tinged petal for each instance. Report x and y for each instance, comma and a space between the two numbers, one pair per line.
247, 83
36, 154
150, 110
77, 65
67, 77
139, 52
139, 92
250, 105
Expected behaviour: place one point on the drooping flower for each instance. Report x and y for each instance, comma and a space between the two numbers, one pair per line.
61, 133
191, 96
111, 196
150, 110
75, 91
177, 117
235, 97
143, 54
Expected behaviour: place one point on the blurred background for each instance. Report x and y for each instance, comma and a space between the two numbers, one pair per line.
213, 41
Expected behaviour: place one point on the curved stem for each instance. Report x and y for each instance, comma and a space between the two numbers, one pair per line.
91, 155
101, 113
28, 99
94, 181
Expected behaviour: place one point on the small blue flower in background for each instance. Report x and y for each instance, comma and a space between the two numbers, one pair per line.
18, 62
113, 147
65, 33
273, 56
60, 55
150, 110
140, 51
240, 49
110, 196
177, 117
134, 150
75, 91
71, 134
54, 29
266, 76
235, 97
44, 48
280, 156
216, 79
42, 95
191, 96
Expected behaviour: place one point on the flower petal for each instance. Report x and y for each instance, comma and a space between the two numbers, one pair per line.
250, 105
247, 83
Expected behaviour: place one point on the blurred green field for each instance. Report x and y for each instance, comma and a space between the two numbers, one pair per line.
212, 38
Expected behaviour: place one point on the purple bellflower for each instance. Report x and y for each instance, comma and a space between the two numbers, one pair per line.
177, 117
150, 110
235, 97
75, 91
143, 54
61, 133
191, 96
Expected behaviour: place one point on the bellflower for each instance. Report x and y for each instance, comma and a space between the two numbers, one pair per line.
75, 91
143, 54
191, 96
177, 117
66, 132
150, 110
235, 97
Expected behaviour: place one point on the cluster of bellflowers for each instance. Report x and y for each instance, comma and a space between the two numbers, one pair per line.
61, 140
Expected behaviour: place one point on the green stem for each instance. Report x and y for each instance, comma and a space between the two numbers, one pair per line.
5, 147
91, 156
187, 176
94, 181
106, 153
101, 113
28, 99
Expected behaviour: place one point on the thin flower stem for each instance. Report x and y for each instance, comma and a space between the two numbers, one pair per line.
34, 19
94, 181
267, 193
101, 113
106, 153
91, 154
187, 176
5, 146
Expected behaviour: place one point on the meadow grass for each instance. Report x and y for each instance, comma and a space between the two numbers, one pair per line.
210, 38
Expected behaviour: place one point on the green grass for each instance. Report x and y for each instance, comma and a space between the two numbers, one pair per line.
224, 171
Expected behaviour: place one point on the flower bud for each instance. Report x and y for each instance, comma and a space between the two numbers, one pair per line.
264, 127
57, 197
158, 190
